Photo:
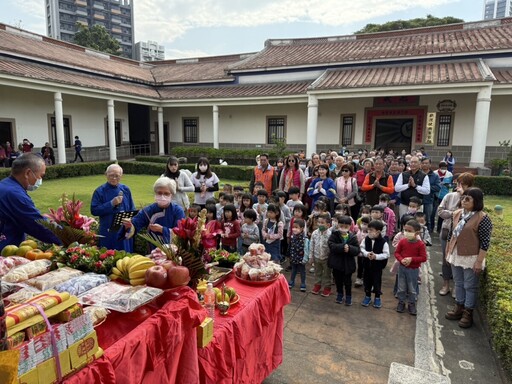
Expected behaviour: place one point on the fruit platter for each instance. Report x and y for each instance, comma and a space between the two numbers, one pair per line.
256, 268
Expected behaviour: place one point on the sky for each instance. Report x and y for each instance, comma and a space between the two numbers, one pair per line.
201, 28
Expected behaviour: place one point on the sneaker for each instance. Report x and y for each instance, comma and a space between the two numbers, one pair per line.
359, 283
291, 284
316, 289
312, 270
400, 307
348, 300
339, 298
326, 292
366, 301
444, 291
377, 303
412, 309
303, 287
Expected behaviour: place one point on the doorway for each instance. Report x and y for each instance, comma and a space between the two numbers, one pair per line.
394, 134
6, 133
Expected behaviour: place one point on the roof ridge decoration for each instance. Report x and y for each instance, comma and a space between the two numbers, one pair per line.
485, 71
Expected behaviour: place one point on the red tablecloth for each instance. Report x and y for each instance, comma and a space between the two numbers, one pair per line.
248, 342
156, 344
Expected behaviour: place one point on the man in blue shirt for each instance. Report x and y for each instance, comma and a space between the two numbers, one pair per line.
18, 214
108, 200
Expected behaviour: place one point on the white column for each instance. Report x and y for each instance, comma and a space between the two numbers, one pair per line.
483, 106
161, 148
111, 130
59, 128
312, 126
216, 126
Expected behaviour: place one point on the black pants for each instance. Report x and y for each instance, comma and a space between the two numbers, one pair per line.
372, 278
360, 267
78, 155
343, 280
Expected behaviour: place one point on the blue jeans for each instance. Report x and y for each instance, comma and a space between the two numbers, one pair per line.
428, 209
407, 283
298, 268
274, 249
466, 286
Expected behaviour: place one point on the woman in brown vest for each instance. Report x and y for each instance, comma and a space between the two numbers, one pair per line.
466, 251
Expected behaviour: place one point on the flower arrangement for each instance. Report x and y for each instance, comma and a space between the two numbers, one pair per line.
68, 224
89, 258
221, 256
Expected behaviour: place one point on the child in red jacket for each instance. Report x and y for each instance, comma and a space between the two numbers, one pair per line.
410, 253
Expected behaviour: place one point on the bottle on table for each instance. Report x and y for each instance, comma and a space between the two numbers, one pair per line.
209, 300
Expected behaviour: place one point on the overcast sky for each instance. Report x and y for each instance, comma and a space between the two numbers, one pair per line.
196, 28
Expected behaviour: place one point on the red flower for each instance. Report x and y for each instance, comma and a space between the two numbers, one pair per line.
98, 264
73, 258
103, 256
111, 252
186, 229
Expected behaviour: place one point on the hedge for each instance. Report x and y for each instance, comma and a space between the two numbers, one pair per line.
494, 185
496, 290
63, 171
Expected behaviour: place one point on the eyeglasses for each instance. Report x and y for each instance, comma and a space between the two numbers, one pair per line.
466, 197
345, 170
291, 161
116, 177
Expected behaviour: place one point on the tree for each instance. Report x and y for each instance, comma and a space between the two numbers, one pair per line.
429, 21
98, 38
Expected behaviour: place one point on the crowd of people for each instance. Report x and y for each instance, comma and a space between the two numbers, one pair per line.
335, 215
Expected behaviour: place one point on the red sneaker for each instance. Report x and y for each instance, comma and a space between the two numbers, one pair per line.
326, 292
316, 289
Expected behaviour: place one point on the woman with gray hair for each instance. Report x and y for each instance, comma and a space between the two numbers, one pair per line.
161, 216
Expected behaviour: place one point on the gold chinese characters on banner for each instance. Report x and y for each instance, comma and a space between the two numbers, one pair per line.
431, 128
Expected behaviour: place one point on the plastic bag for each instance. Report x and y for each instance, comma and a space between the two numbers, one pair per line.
121, 298
27, 271
8, 263
81, 284
53, 278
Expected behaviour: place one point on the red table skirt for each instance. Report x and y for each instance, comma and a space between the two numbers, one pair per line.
248, 342
156, 344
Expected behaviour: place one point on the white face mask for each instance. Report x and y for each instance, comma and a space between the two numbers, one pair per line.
162, 201
383, 204
409, 235
203, 168
365, 215
302, 166
413, 210
38, 183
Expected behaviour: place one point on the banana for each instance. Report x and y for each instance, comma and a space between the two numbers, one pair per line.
138, 274
141, 265
113, 276
140, 281
116, 271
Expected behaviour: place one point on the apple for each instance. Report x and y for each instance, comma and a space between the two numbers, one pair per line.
156, 276
168, 264
177, 276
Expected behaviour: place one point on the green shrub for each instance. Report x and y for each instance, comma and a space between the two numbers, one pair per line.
496, 290
494, 185
62, 171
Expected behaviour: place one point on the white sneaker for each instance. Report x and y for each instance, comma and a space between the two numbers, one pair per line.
312, 270
359, 282
453, 293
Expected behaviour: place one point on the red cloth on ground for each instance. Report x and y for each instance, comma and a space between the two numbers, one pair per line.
160, 346
248, 342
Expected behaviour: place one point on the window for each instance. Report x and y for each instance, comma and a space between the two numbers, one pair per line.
118, 132
347, 129
444, 130
67, 132
191, 130
276, 129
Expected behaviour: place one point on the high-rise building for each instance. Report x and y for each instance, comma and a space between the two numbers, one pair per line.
494, 9
149, 51
62, 17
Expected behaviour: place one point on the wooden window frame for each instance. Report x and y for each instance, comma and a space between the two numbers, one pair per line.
185, 133
352, 129
269, 139
52, 131
440, 116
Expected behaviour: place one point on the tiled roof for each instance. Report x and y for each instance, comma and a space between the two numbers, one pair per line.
503, 75
50, 50
55, 75
193, 70
419, 74
234, 91
459, 39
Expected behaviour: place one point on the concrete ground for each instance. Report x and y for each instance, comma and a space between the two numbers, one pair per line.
325, 342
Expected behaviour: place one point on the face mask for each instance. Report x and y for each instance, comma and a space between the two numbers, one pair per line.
334, 223
302, 166
383, 204
355, 161
321, 228
364, 227
409, 235
365, 215
162, 200
203, 168
413, 210
38, 183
